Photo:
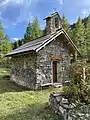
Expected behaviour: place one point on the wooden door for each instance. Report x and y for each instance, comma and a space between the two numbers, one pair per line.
54, 71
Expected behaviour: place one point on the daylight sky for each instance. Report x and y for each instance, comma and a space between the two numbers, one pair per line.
15, 14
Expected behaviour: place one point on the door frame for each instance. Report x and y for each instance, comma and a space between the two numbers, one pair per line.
54, 71
54, 59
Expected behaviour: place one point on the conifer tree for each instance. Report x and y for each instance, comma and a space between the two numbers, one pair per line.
33, 31
20, 42
66, 25
1, 38
15, 45
78, 36
36, 30
87, 37
6, 45
2, 34
28, 34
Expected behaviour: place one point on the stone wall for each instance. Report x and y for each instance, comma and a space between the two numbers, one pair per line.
44, 63
69, 111
24, 70
33, 69
50, 24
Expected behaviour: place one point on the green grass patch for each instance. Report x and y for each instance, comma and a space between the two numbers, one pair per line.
4, 72
18, 103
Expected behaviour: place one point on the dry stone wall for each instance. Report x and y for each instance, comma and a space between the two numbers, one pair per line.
69, 111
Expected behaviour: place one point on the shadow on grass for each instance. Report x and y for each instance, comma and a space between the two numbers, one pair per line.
33, 112
6, 85
9, 86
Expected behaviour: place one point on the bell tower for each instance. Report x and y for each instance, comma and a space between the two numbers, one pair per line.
53, 22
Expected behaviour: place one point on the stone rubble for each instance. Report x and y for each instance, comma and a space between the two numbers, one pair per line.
69, 111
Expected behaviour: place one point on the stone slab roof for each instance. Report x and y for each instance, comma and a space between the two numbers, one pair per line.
53, 14
39, 43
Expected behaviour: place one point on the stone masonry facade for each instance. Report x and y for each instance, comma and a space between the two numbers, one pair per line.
24, 70
33, 69
51, 24
44, 70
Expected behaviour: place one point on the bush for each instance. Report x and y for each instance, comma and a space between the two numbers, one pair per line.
79, 75
72, 93
5, 62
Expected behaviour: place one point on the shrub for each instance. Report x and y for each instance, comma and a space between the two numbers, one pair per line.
79, 79
5, 62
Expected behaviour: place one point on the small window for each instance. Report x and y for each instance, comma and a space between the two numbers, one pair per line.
56, 22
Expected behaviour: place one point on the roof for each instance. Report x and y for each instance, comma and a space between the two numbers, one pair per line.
39, 43
53, 14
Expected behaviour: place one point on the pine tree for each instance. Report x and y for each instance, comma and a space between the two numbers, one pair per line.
78, 36
1, 38
36, 30
20, 42
87, 37
6, 45
66, 25
33, 31
15, 45
28, 34
2, 34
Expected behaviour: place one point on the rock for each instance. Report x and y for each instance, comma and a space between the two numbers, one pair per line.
56, 94
87, 115
66, 106
61, 110
80, 114
58, 98
71, 111
64, 101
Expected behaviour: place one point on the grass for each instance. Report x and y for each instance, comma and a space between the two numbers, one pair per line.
17, 103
